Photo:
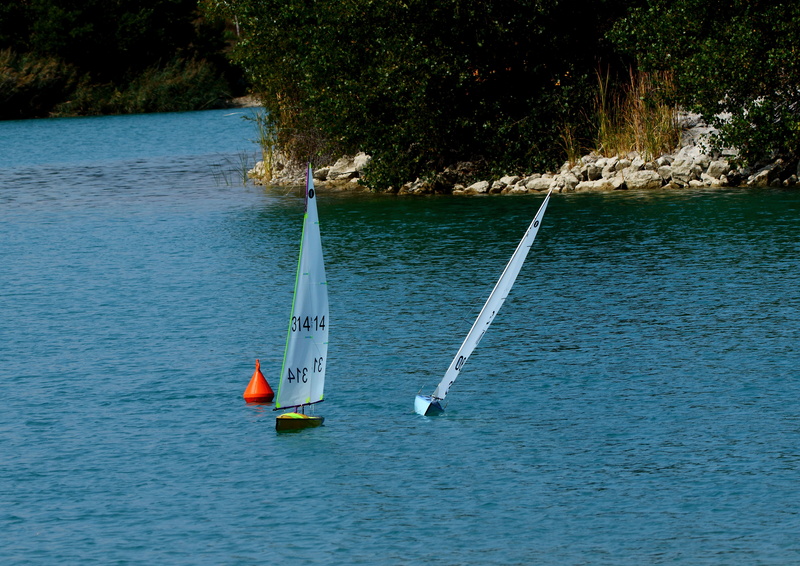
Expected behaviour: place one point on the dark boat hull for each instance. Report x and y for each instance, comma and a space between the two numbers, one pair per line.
289, 422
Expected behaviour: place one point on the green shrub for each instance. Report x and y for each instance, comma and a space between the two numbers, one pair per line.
30, 86
423, 84
181, 85
99, 57
737, 62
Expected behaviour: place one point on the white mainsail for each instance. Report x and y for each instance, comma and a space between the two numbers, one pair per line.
303, 372
487, 314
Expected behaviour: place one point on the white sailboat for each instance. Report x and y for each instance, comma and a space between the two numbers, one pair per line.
302, 378
432, 404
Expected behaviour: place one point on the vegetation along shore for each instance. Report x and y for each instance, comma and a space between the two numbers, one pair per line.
443, 96
97, 57
695, 164
457, 96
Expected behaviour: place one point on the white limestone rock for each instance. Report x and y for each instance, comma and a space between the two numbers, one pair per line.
479, 188
643, 180
360, 161
718, 168
596, 185
343, 170
539, 184
765, 176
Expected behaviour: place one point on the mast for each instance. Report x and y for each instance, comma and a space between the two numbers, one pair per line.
302, 378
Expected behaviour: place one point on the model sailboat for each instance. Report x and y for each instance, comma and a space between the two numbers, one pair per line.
303, 373
432, 404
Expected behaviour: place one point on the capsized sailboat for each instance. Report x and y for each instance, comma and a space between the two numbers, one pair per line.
432, 404
302, 378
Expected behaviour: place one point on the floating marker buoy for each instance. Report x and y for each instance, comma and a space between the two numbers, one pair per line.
258, 390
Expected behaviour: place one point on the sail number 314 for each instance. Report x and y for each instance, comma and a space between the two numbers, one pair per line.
301, 374
308, 323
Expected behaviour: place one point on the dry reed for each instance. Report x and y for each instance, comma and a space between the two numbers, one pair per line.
636, 117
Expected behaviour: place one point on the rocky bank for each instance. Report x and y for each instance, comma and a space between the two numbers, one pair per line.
692, 165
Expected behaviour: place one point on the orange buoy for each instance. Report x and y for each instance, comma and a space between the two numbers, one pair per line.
258, 390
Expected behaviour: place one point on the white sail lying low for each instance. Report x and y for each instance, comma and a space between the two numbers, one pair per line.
431, 404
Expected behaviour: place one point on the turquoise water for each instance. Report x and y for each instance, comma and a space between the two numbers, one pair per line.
635, 402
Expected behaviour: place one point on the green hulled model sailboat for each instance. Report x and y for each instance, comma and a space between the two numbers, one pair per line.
303, 373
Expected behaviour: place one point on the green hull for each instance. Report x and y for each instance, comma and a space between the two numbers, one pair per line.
289, 422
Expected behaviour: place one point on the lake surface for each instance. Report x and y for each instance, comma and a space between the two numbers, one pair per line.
635, 402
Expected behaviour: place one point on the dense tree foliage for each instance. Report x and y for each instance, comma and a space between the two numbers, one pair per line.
735, 61
418, 84
92, 56
421, 84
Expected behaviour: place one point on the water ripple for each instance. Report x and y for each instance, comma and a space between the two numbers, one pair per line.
630, 405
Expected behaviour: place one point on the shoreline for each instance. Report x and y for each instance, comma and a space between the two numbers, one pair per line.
692, 165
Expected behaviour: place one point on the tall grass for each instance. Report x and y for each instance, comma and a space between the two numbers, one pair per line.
570, 144
636, 116
283, 135
267, 140
300, 140
233, 170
